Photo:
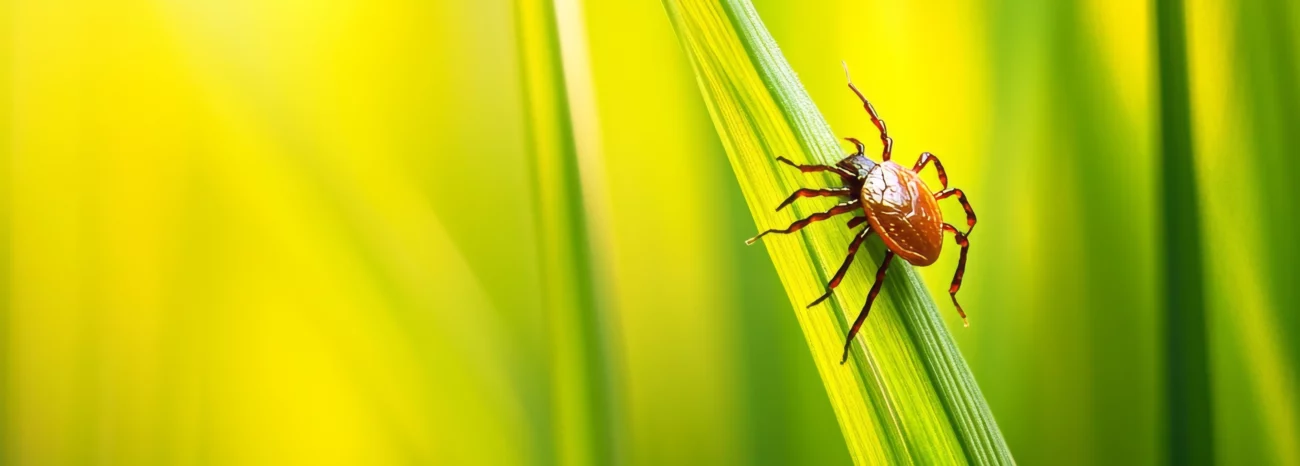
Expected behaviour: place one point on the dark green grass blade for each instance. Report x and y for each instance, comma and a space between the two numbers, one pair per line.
1191, 438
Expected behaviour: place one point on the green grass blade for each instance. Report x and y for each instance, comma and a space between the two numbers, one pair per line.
1244, 61
1187, 383
581, 421
906, 396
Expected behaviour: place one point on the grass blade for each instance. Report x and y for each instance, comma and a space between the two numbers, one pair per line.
581, 429
906, 396
1187, 382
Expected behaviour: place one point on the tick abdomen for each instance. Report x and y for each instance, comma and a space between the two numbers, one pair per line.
904, 212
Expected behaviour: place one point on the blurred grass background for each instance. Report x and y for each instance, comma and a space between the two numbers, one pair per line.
503, 232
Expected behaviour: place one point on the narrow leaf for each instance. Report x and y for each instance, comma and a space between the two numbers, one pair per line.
1187, 384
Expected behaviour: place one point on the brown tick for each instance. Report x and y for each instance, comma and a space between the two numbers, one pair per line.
895, 203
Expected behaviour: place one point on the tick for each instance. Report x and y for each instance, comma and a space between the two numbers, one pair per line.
894, 203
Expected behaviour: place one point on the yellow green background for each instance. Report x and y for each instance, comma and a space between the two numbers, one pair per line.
496, 232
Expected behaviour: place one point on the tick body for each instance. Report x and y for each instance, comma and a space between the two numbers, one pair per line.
895, 204
902, 210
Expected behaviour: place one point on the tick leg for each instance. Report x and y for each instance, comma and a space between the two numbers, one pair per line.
844, 268
927, 157
806, 192
871, 297
965, 204
817, 217
855, 221
964, 242
885, 140
815, 168
861, 148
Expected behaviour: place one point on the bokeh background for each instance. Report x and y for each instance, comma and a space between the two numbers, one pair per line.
496, 232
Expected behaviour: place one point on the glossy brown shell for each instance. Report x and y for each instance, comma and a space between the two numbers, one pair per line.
904, 212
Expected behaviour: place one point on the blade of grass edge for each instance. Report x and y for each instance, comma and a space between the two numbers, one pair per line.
908, 395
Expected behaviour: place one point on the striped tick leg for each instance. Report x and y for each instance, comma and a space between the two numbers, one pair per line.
871, 297
806, 192
815, 168
885, 140
817, 217
839, 274
964, 242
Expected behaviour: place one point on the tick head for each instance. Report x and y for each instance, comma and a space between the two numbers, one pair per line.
860, 165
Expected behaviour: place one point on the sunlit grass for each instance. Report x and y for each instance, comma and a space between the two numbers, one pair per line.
1242, 63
